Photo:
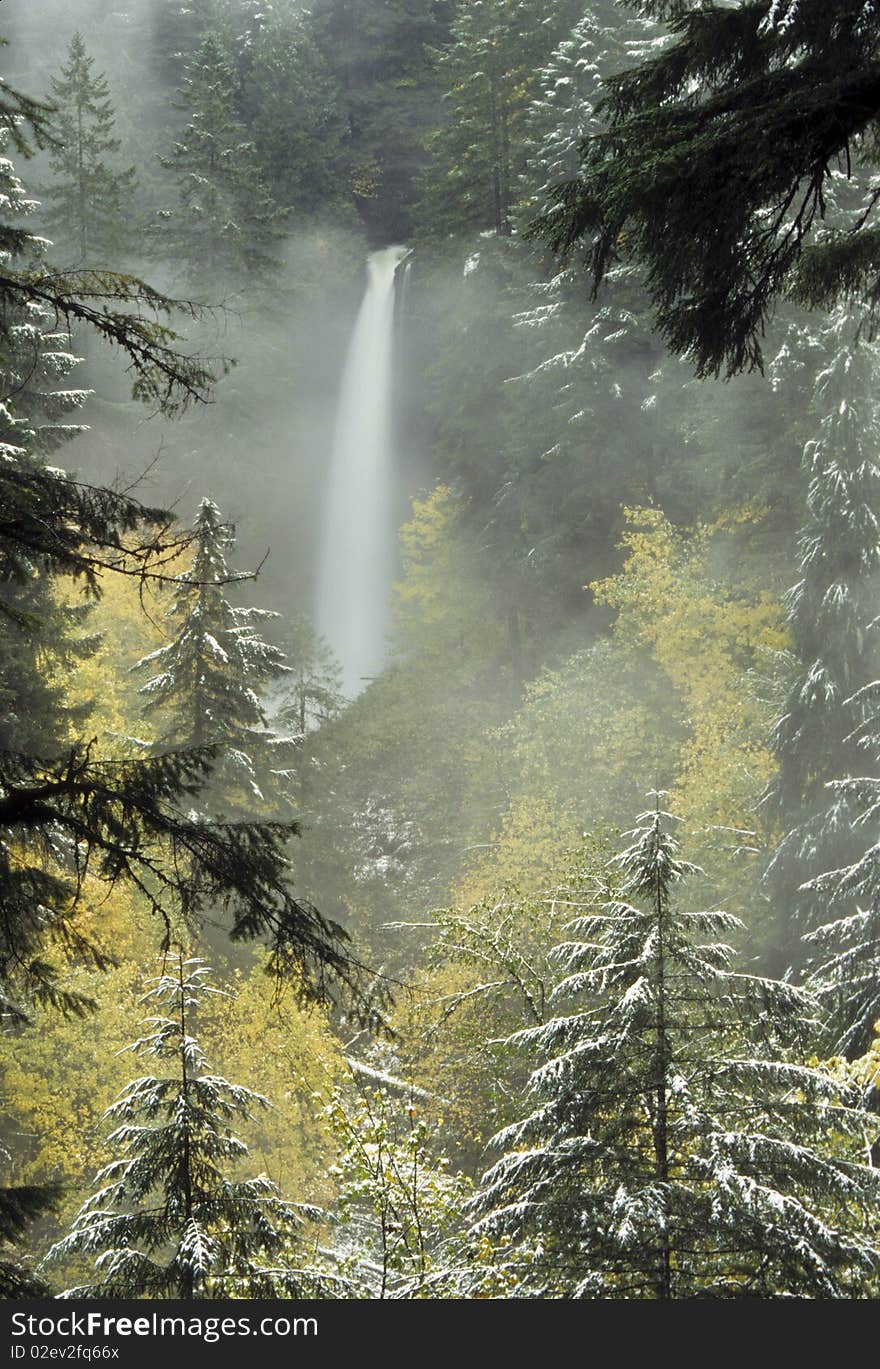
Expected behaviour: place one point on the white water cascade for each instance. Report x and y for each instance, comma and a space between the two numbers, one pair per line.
357, 547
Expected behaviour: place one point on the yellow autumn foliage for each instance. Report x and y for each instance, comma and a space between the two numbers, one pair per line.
681, 595
60, 1074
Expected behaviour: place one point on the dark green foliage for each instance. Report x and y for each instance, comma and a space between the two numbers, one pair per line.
821, 736
170, 1219
19, 1207
65, 815
292, 106
488, 76
226, 224
89, 203
672, 1151
381, 55
309, 697
212, 676
715, 168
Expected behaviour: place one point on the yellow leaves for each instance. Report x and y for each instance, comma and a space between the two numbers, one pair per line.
527, 850
290, 1054
441, 604
683, 596
427, 555
680, 598
59, 1076
366, 179
129, 625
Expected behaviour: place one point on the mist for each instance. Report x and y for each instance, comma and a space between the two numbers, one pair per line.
453, 592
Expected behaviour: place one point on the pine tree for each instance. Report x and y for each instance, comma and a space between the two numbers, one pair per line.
89, 202
311, 693
226, 225
19, 1207
37, 632
292, 106
715, 167
672, 1151
488, 73
67, 816
821, 738
380, 53
564, 109
213, 673
35, 349
169, 1217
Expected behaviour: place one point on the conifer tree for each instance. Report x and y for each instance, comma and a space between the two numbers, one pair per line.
212, 674
170, 1218
672, 1150
714, 169
311, 692
488, 73
226, 224
67, 815
20, 1205
292, 106
380, 53
89, 202
565, 104
822, 737
37, 632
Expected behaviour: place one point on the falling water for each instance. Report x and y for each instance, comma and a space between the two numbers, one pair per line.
356, 559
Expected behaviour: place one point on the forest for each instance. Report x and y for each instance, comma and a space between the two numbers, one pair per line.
440, 649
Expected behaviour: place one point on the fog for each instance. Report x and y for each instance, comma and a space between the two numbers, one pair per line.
497, 564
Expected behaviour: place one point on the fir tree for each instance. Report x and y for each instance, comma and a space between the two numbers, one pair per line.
564, 109
380, 53
672, 1151
226, 224
66, 815
212, 675
89, 201
19, 1207
37, 632
169, 1217
35, 349
821, 737
714, 170
311, 693
292, 107
488, 73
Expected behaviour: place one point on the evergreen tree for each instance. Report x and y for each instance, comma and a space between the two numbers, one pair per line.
672, 1151
488, 72
19, 1207
37, 632
226, 225
89, 202
311, 692
169, 1217
67, 815
381, 55
715, 166
821, 737
292, 106
564, 107
213, 672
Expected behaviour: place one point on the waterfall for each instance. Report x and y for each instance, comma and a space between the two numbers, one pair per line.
357, 547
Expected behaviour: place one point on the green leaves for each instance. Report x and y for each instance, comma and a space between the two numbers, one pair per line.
673, 1149
716, 167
